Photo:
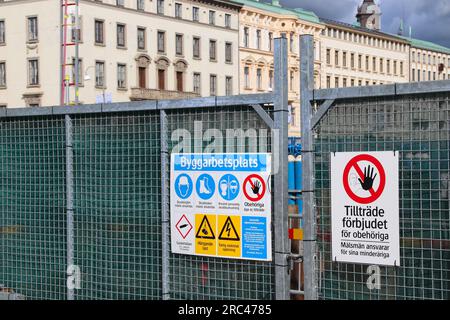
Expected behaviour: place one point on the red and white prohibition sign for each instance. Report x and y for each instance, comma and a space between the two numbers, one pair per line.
254, 187
372, 193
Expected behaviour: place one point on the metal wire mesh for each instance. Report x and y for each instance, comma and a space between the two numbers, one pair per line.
117, 217
117, 207
32, 207
418, 127
194, 277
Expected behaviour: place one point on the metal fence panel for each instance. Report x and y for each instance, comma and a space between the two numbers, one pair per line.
32, 207
195, 277
117, 205
417, 126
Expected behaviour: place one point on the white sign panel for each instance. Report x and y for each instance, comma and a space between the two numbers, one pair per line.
220, 205
365, 207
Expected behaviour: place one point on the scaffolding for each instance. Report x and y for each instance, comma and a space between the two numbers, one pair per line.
69, 21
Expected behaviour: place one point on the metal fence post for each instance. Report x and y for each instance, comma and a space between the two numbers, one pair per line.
69, 199
309, 240
165, 219
282, 249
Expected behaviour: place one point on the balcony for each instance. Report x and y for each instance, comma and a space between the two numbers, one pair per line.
155, 94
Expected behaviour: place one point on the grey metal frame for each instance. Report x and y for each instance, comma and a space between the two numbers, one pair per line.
281, 177
323, 100
306, 95
279, 122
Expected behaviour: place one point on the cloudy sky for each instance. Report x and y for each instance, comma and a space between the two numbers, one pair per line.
430, 19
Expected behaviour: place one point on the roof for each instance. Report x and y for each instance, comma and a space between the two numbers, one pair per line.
312, 17
356, 26
299, 12
422, 44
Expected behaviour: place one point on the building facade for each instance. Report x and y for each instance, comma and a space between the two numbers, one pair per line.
128, 50
373, 58
162, 49
260, 23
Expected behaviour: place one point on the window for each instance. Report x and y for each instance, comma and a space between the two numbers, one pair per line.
328, 56
196, 82
374, 64
449, 62
246, 37
367, 83
195, 14
367, 63
360, 61
270, 79
395, 67
140, 5
429, 75
388, 66
212, 50
119, 3
121, 35
424, 75
227, 20
178, 11
259, 78
228, 86
141, 38
336, 58
2, 32
344, 59
258, 39
212, 17
179, 44
270, 41
328, 82
291, 81
121, 76
99, 74
161, 41
352, 60
80, 69
381, 65
196, 47
33, 72
160, 7
344, 82
413, 75
76, 31
401, 68
291, 42
434, 76
418, 75
336, 82
352, 82
228, 52
99, 32
212, 84
32, 28
247, 77
2, 74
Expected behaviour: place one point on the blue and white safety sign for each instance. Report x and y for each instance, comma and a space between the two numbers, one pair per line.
220, 205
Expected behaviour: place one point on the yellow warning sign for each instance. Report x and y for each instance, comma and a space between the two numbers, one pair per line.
205, 235
229, 239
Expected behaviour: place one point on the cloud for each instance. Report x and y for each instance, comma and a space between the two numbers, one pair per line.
430, 20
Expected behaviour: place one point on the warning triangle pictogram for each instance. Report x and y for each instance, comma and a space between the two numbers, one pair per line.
205, 231
229, 230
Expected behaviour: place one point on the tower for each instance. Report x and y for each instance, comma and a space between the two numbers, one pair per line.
369, 15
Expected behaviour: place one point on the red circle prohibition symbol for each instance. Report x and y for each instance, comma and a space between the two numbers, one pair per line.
353, 163
261, 192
